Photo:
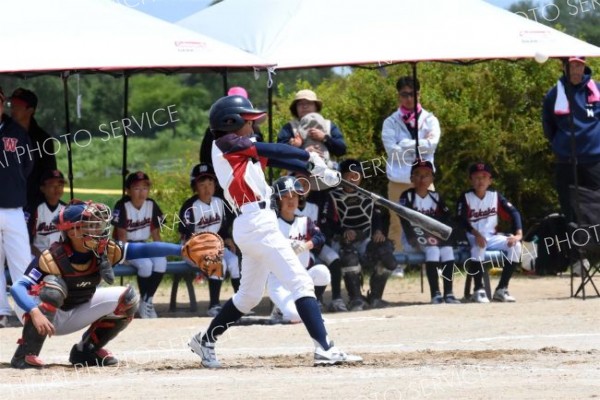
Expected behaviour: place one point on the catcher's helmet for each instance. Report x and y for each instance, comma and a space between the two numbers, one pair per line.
229, 113
286, 184
91, 222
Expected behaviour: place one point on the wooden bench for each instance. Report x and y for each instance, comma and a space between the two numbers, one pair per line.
180, 270
461, 255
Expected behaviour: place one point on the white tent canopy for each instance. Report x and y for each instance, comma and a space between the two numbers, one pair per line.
59, 35
311, 33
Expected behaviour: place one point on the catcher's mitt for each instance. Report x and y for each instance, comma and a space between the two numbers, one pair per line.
205, 249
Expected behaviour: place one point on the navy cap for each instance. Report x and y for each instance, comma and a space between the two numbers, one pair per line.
477, 167
136, 177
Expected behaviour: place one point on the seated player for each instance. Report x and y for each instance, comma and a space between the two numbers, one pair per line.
352, 223
42, 232
206, 212
479, 210
438, 254
304, 236
59, 293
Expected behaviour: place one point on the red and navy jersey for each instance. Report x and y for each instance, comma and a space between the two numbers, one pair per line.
239, 162
42, 232
482, 213
80, 271
139, 223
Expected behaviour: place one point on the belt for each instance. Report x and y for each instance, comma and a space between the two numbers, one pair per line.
257, 205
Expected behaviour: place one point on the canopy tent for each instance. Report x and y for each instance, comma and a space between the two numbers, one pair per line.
101, 35
66, 36
315, 33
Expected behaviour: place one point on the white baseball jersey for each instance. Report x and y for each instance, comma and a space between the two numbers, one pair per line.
138, 223
197, 216
310, 210
42, 232
298, 230
482, 213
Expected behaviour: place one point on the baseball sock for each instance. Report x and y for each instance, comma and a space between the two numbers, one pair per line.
143, 282
336, 279
214, 291
432, 277
153, 283
227, 316
447, 275
235, 282
308, 309
507, 272
319, 290
477, 274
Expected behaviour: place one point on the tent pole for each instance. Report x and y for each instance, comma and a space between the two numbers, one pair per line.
65, 77
125, 112
270, 119
225, 82
415, 130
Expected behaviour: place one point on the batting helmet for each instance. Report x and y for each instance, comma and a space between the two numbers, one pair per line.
90, 220
287, 184
229, 113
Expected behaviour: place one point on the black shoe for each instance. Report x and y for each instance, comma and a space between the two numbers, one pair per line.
27, 362
99, 358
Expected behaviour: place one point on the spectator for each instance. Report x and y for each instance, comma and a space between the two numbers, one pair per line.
206, 212
309, 130
39, 216
585, 108
399, 140
353, 225
438, 254
23, 104
478, 211
14, 170
205, 155
136, 218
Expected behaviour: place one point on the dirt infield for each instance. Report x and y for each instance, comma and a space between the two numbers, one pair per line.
545, 346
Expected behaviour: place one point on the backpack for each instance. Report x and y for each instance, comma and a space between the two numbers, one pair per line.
550, 258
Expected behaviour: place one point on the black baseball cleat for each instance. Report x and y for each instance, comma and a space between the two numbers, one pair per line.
98, 358
27, 362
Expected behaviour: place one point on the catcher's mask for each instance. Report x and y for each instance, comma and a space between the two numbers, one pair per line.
89, 220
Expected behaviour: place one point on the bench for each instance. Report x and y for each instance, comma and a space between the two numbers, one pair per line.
461, 255
179, 269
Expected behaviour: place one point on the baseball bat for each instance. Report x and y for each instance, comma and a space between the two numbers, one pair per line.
426, 223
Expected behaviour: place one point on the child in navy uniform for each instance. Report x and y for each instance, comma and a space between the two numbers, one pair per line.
136, 219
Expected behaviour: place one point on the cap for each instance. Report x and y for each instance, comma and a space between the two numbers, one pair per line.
477, 167
237, 91
305, 94
51, 174
136, 177
422, 164
580, 59
200, 170
26, 96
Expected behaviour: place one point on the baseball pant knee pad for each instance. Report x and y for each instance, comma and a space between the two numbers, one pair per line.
245, 303
320, 275
159, 264
128, 303
143, 266
53, 291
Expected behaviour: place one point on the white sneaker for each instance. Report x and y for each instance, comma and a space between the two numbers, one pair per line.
503, 296
479, 297
143, 310
334, 356
150, 308
398, 272
205, 350
214, 311
3, 321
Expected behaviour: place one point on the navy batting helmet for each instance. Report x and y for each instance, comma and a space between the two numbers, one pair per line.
90, 220
229, 113
285, 185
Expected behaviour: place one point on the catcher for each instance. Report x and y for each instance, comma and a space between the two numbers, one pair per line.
58, 294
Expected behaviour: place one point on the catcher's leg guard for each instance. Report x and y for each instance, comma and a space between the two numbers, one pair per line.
352, 281
90, 350
52, 293
431, 268
377, 286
